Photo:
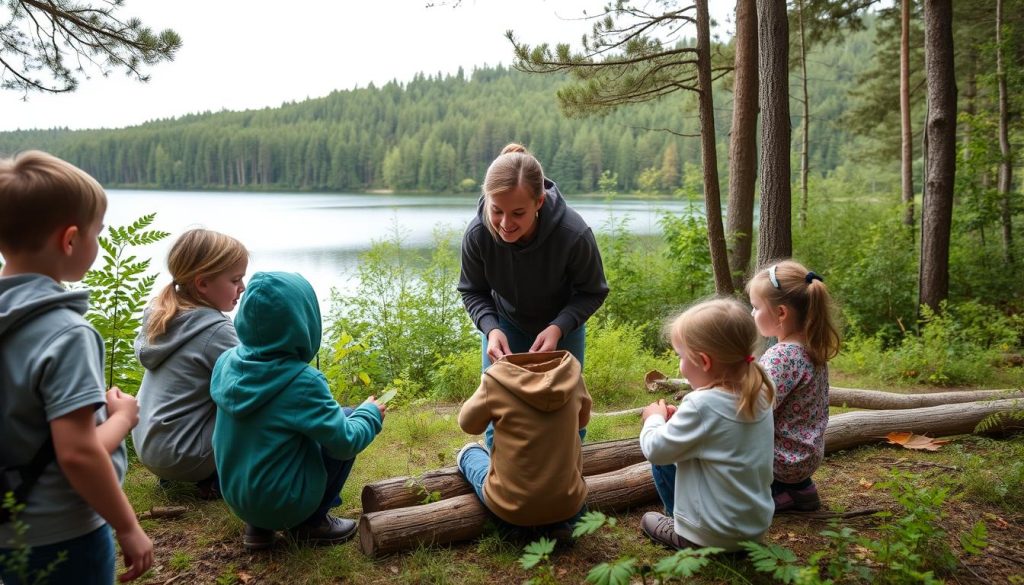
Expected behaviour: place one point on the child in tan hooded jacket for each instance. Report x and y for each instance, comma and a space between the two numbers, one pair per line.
533, 476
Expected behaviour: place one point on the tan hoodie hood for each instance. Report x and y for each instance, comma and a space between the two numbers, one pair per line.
545, 381
537, 402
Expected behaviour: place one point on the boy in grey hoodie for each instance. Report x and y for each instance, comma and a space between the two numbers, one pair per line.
51, 382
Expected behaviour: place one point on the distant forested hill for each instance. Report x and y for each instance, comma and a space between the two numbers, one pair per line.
435, 133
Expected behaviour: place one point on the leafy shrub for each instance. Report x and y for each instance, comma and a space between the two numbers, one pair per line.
647, 277
962, 345
455, 376
616, 362
405, 314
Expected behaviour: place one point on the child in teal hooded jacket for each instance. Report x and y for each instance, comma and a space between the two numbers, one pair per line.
282, 444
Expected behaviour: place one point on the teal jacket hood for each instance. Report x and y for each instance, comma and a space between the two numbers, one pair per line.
276, 415
278, 326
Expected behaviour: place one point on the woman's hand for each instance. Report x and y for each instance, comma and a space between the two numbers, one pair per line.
658, 407
547, 340
497, 345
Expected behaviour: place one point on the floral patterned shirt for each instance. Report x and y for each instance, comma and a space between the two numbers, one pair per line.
801, 410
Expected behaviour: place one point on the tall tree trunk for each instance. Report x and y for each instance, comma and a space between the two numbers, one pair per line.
775, 237
907, 150
805, 124
1005, 184
937, 207
743, 143
709, 154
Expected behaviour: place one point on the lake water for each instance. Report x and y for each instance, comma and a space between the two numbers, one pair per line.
322, 235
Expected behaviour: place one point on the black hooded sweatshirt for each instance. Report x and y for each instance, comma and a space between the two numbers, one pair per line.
556, 278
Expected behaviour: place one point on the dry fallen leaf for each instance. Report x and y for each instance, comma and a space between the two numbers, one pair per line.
911, 441
865, 483
244, 577
996, 521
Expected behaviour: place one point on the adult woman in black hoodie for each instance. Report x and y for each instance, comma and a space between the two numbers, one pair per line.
531, 270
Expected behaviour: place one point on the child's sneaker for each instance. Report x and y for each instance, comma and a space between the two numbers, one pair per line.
331, 530
257, 538
463, 450
801, 500
662, 530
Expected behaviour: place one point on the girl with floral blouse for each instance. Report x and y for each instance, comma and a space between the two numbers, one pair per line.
793, 304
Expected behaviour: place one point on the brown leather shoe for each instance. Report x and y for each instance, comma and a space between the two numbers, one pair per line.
662, 530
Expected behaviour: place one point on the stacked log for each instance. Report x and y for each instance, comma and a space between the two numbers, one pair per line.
463, 517
399, 492
618, 478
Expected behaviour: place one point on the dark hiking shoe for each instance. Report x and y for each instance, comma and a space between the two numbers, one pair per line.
802, 500
331, 530
662, 530
209, 489
257, 538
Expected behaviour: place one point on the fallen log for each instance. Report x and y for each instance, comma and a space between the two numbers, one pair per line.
868, 426
463, 517
448, 482
853, 397
881, 400
844, 430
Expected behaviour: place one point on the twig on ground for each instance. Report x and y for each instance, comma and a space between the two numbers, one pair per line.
158, 512
906, 463
637, 410
829, 515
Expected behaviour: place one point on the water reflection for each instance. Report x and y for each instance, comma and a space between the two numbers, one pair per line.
321, 235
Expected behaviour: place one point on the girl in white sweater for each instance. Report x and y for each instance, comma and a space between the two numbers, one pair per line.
712, 456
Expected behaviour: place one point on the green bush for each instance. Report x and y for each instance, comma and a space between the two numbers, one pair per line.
616, 363
963, 345
404, 316
456, 376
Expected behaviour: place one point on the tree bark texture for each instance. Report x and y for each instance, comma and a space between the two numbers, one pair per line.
1005, 183
871, 399
463, 517
739, 219
869, 426
805, 123
709, 155
398, 492
937, 207
775, 236
880, 400
906, 132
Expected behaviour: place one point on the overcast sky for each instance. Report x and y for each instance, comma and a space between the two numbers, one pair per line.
242, 54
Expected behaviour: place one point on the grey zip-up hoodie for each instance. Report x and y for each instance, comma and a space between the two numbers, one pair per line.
51, 364
555, 279
174, 437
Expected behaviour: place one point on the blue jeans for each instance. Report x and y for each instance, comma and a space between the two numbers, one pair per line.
90, 560
665, 483
337, 473
475, 464
519, 342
